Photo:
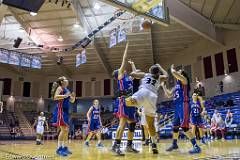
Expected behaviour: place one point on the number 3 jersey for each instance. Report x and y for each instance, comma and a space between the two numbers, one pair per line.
41, 121
150, 83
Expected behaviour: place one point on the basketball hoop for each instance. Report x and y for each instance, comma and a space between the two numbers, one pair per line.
126, 16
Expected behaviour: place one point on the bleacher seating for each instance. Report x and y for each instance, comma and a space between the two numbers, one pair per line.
211, 105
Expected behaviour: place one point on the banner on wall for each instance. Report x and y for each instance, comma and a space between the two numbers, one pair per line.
14, 58
113, 38
4, 56
84, 57
78, 59
36, 62
25, 60
122, 36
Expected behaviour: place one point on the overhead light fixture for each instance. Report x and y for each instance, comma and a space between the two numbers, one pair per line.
60, 39
76, 25
33, 13
96, 6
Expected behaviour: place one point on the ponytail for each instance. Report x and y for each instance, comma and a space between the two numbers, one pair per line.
56, 85
54, 88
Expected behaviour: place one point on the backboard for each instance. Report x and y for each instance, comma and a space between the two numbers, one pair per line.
155, 10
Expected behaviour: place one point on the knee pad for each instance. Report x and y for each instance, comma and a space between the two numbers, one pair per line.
131, 127
185, 129
175, 129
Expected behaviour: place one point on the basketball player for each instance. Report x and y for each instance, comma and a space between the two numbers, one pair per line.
94, 123
180, 94
62, 97
147, 96
40, 121
125, 114
197, 107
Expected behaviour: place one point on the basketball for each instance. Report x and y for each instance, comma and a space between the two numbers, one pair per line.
146, 24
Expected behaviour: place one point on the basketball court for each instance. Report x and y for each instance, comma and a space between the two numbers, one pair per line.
213, 150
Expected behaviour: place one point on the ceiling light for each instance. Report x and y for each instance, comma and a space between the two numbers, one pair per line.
97, 6
60, 39
33, 13
76, 25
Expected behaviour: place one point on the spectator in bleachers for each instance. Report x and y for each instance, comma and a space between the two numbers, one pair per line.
218, 125
228, 119
215, 114
221, 86
230, 102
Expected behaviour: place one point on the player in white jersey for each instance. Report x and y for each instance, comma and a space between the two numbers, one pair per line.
147, 96
40, 121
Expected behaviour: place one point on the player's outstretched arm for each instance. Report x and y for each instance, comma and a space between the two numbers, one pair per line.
178, 76
168, 92
124, 61
165, 74
137, 75
133, 66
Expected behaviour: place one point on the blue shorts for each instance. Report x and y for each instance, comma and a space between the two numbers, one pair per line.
181, 115
197, 121
122, 111
94, 125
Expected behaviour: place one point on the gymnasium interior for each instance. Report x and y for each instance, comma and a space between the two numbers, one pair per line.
84, 40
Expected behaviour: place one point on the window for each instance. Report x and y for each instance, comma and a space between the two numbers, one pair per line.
219, 64
79, 88
208, 67
26, 89
7, 82
232, 60
107, 87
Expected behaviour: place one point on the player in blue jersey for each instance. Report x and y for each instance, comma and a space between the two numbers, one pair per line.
125, 114
197, 107
180, 94
94, 123
62, 98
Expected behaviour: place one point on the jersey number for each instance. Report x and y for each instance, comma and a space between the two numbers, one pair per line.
151, 81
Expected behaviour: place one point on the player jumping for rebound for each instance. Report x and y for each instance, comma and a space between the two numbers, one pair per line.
147, 96
40, 127
197, 108
125, 114
180, 96
94, 123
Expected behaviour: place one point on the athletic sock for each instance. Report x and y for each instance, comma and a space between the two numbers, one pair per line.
154, 139
60, 144
193, 141
174, 142
63, 144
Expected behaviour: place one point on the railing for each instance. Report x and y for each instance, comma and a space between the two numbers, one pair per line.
23, 120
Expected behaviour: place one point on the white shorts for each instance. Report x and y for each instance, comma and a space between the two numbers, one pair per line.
40, 130
148, 100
